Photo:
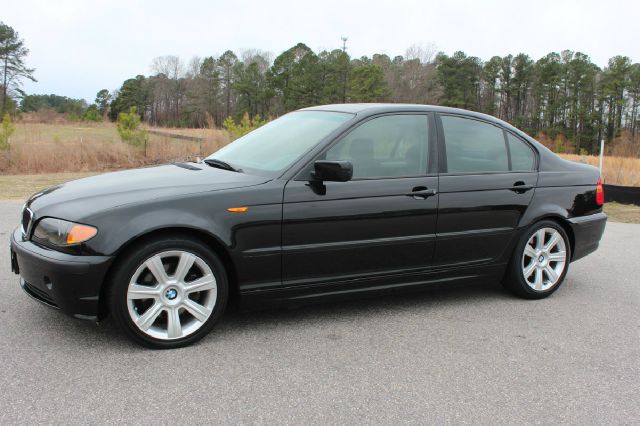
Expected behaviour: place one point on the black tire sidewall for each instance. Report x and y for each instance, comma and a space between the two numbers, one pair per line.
515, 279
127, 264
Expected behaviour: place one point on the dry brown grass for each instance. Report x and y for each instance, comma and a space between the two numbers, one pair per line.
615, 170
79, 147
20, 187
84, 147
199, 133
45, 115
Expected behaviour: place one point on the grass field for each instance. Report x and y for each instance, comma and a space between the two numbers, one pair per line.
626, 213
20, 187
84, 147
51, 148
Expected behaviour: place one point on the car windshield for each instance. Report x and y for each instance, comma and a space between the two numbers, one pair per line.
272, 148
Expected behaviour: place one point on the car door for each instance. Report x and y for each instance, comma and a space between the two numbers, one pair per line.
487, 180
380, 222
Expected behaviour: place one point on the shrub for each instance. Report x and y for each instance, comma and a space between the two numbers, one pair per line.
245, 125
7, 130
129, 128
92, 114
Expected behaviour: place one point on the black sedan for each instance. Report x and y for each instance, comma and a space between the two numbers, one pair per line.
322, 203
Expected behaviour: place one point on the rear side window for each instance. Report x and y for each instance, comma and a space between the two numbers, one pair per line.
387, 146
522, 158
474, 146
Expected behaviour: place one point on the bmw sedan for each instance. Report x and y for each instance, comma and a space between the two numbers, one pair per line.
323, 203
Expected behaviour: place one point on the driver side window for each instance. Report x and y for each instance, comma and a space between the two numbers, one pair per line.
387, 146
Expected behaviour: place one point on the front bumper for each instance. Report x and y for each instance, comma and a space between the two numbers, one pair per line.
68, 282
587, 232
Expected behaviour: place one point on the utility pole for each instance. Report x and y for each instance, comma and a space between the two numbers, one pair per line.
346, 69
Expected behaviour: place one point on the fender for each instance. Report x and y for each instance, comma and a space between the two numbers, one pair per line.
564, 202
252, 239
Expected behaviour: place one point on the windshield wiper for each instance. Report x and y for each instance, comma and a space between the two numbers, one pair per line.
219, 164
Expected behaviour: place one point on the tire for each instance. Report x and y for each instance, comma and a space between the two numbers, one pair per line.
541, 271
168, 292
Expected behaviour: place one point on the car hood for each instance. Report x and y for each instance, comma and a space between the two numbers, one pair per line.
83, 197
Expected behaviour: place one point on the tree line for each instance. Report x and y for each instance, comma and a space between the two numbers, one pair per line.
559, 94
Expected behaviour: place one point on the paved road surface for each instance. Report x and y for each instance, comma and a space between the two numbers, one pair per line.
463, 355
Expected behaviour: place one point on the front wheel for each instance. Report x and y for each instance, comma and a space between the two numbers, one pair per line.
169, 292
540, 261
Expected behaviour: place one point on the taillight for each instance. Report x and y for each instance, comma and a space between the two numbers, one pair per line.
599, 193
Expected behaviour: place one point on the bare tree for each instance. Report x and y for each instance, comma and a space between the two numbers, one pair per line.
260, 57
169, 86
425, 53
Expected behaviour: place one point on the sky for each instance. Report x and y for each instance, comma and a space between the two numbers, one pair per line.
80, 47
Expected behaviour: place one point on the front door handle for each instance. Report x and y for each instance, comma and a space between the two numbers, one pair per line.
422, 192
520, 187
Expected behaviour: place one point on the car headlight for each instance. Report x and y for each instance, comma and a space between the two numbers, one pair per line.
60, 232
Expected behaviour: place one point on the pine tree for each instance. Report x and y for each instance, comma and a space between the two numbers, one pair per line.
12, 55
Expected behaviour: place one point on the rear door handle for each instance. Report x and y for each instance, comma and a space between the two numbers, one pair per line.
422, 192
520, 187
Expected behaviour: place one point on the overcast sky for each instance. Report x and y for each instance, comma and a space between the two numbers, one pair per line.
80, 47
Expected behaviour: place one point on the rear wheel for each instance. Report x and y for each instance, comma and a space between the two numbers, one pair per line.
169, 292
540, 261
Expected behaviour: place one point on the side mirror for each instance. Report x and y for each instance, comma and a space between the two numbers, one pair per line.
333, 171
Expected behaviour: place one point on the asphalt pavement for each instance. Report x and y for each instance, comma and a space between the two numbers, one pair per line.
470, 354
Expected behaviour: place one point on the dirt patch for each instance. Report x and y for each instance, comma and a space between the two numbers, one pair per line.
625, 213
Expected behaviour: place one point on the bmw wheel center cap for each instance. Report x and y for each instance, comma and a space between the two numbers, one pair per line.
171, 293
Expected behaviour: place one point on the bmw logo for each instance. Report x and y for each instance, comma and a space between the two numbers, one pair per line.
171, 293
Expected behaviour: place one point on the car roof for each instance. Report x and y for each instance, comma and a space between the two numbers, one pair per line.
378, 108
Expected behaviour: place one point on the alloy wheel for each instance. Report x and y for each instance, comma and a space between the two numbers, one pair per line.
544, 259
171, 295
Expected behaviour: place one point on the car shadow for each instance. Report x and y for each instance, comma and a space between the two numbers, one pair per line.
369, 305
236, 322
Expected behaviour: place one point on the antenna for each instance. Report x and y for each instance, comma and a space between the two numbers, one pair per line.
344, 43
